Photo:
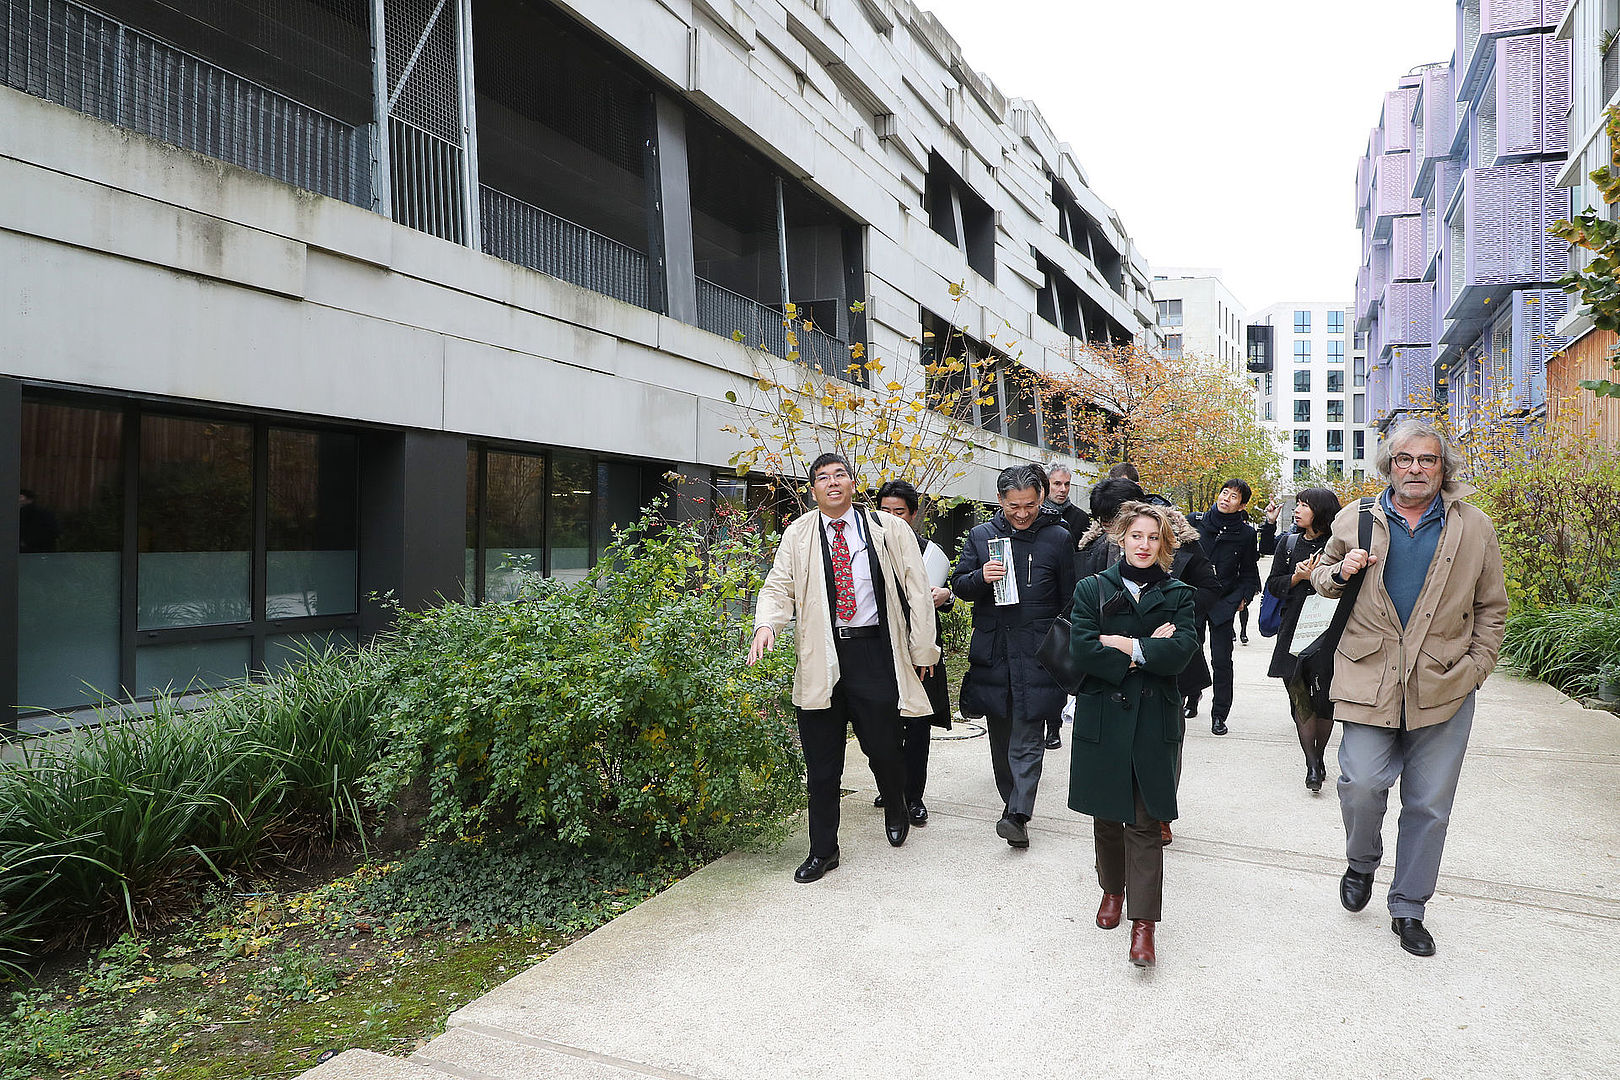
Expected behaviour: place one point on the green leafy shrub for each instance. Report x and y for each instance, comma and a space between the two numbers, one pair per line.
617, 709
1565, 646
530, 881
1557, 515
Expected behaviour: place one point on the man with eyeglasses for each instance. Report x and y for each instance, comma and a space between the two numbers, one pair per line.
1424, 633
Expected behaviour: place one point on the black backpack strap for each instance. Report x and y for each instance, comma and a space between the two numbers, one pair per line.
1347, 599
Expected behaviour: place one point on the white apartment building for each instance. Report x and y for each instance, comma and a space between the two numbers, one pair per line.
302, 304
1199, 315
1315, 393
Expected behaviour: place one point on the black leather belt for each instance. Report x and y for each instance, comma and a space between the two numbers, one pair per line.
855, 631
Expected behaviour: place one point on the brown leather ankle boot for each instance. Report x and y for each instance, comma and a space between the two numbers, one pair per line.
1108, 911
1142, 943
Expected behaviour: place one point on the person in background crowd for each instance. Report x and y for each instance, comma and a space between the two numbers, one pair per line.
1229, 543
1425, 632
1005, 682
1097, 552
1289, 580
1058, 483
900, 498
1126, 471
1133, 634
843, 575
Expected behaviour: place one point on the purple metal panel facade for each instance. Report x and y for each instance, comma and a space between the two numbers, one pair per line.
1406, 245
1535, 312
1394, 185
1439, 113
1556, 90
1408, 316
1515, 16
1518, 96
1508, 210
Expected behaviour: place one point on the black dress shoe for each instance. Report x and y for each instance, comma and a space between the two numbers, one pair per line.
813, 867
1414, 938
878, 802
1355, 889
1012, 830
1314, 776
1192, 710
1217, 725
1054, 742
918, 812
896, 826
1244, 639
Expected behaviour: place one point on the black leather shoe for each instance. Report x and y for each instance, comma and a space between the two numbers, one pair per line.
1314, 774
1192, 710
1414, 938
918, 812
878, 802
1010, 829
1054, 742
896, 826
1217, 725
813, 867
1355, 889
1244, 639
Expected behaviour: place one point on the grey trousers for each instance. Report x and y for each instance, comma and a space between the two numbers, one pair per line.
1017, 752
1428, 764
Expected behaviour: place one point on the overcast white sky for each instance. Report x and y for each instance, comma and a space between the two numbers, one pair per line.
1225, 134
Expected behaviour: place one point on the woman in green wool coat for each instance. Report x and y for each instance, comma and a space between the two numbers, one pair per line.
1133, 633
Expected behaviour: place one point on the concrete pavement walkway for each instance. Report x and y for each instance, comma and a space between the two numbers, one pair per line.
955, 956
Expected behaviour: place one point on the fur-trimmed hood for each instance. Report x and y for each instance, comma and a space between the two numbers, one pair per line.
1185, 533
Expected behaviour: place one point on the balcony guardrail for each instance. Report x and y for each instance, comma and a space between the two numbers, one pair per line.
1611, 67
525, 234
82, 60
723, 312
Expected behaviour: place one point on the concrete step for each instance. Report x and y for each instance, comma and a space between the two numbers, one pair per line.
365, 1065
481, 1052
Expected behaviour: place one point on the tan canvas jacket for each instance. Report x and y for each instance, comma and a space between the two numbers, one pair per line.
796, 587
1453, 637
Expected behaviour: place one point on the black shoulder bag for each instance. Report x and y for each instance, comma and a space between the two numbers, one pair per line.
1316, 660
1055, 655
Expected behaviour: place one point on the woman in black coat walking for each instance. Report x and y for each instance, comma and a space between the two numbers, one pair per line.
1005, 683
1289, 581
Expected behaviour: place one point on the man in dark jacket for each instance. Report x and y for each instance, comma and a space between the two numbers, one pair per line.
1058, 481
1231, 546
1005, 682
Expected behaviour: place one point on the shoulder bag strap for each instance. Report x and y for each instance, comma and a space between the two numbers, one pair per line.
1347, 599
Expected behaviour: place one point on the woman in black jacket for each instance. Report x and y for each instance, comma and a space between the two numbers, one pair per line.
1005, 683
1289, 581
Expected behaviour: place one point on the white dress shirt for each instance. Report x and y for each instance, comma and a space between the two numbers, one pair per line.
866, 612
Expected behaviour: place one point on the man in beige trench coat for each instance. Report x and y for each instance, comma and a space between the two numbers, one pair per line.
854, 582
1425, 632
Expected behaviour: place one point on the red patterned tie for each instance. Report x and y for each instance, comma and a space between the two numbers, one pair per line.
843, 576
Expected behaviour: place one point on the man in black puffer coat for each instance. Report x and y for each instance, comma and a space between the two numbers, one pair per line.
1231, 546
1005, 682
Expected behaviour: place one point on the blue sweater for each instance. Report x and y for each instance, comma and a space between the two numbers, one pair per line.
1410, 553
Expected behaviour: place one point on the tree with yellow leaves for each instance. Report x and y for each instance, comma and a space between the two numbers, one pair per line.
891, 421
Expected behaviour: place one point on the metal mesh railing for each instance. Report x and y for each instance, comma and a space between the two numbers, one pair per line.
426, 182
68, 54
721, 311
520, 233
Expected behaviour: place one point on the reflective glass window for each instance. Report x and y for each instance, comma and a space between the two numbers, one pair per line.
514, 521
568, 525
313, 534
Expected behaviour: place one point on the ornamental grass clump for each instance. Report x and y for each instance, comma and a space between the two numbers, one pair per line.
616, 712
126, 823
1568, 647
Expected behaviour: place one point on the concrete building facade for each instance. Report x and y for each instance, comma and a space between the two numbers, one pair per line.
307, 303
1198, 314
1453, 198
1312, 395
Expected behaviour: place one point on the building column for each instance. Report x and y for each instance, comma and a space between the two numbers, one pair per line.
669, 212
11, 481
413, 521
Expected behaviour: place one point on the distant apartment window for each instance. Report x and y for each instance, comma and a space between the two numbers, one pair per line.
1335, 351
1335, 470
1361, 475
1358, 445
1302, 411
1361, 371
1269, 384
1169, 312
1335, 382
1335, 322
1361, 339
1335, 411
958, 214
1172, 345
1271, 412
1302, 440
1302, 322
1335, 443
1302, 352
1302, 468
1302, 382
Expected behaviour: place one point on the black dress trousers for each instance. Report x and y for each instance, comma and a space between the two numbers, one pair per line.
867, 698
